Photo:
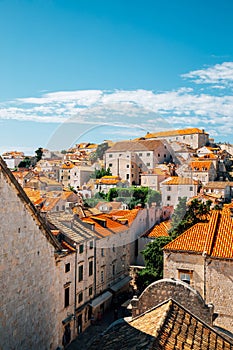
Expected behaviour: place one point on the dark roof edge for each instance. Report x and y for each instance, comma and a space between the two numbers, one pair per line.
29, 205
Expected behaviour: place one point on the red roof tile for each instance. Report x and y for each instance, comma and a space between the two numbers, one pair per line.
215, 237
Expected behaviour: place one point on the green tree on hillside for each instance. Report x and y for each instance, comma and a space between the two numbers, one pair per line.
153, 256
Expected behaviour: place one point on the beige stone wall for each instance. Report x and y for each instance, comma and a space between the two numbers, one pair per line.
212, 278
29, 298
219, 291
173, 262
194, 140
112, 250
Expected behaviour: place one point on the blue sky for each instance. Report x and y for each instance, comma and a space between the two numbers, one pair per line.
78, 70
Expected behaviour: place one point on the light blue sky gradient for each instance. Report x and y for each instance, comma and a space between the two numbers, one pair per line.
122, 64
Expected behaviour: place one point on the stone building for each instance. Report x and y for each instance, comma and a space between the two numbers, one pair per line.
203, 257
176, 187
82, 242
192, 137
32, 273
203, 171
128, 159
73, 175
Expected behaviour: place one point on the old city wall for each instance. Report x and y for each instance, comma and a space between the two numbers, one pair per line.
28, 302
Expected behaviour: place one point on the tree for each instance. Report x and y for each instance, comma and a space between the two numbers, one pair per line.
100, 173
153, 256
153, 197
26, 163
133, 196
185, 216
39, 153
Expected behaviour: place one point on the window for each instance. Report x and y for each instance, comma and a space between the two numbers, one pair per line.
102, 276
110, 155
69, 177
158, 154
169, 188
81, 249
113, 270
191, 188
67, 297
148, 154
185, 276
183, 137
127, 176
110, 165
90, 291
132, 175
90, 268
140, 154
113, 248
57, 208
63, 207
165, 156
140, 165
67, 267
80, 297
127, 166
147, 164
132, 166
80, 273
168, 198
62, 177
102, 251
91, 246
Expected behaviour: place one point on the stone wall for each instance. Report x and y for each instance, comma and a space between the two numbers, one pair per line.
179, 291
173, 262
212, 278
29, 286
219, 290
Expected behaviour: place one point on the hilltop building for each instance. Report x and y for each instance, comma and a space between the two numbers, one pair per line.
193, 137
129, 159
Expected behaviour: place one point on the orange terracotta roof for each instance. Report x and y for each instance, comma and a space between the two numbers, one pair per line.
111, 221
108, 180
67, 165
189, 131
215, 237
200, 165
159, 230
50, 204
177, 180
34, 195
135, 146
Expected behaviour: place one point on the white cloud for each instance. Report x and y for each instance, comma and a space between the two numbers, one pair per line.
141, 108
221, 74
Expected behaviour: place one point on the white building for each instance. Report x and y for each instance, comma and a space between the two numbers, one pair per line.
175, 187
129, 159
193, 137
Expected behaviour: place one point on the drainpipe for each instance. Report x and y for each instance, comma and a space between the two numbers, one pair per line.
75, 287
94, 267
204, 254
